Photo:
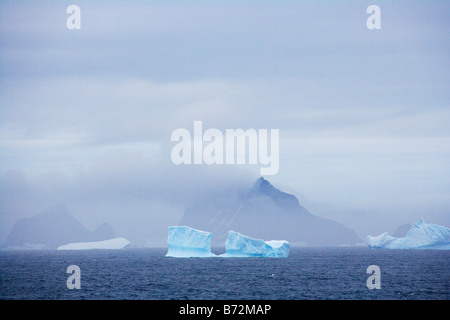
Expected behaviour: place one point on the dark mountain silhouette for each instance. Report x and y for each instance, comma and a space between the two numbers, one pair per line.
267, 213
53, 228
402, 230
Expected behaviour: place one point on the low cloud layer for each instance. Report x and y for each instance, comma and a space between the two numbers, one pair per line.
137, 197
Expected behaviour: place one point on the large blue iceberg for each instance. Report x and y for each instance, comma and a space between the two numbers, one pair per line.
420, 236
186, 242
238, 245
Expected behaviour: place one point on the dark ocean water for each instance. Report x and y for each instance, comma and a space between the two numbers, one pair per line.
308, 273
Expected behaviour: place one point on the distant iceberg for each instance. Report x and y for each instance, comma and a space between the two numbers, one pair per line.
116, 243
238, 245
420, 236
186, 242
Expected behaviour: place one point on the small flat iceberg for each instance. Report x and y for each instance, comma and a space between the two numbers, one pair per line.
420, 236
239, 245
116, 243
187, 242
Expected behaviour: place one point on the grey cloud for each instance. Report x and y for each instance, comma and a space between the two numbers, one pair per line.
362, 115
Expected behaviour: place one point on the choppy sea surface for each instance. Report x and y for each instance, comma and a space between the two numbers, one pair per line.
308, 273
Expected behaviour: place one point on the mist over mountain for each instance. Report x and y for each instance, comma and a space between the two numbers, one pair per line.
53, 228
265, 212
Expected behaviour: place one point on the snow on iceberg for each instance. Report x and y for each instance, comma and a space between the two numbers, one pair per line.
186, 242
116, 243
420, 236
238, 245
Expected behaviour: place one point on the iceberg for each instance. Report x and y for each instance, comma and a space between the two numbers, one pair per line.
384, 241
238, 245
116, 243
420, 236
187, 242
277, 249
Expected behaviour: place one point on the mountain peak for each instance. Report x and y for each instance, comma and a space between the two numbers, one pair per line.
52, 228
261, 185
265, 212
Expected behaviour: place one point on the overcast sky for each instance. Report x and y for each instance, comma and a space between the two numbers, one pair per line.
86, 115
